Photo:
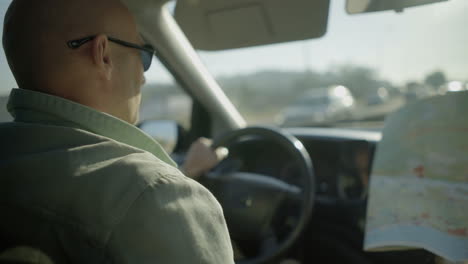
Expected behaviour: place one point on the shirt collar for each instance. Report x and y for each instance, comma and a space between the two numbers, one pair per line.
35, 107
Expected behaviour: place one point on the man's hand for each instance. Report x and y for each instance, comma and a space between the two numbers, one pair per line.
201, 158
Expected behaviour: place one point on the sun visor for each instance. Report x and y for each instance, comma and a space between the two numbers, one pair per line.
222, 24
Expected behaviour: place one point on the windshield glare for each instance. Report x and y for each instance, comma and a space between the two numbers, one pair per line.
385, 59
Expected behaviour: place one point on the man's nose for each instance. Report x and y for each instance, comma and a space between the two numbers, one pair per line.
143, 80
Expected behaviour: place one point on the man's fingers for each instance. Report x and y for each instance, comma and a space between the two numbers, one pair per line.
221, 153
205, 141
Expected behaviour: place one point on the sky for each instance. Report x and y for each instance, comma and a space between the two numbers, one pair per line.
401, 46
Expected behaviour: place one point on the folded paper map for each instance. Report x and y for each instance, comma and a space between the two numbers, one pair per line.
418, 195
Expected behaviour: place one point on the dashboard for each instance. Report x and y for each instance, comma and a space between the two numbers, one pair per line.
342, 160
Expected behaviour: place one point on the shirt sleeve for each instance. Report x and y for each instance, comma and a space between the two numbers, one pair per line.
176, 221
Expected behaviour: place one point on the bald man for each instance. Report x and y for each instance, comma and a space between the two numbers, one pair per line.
78, 180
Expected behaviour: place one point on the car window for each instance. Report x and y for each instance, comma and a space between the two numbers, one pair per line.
162, 97
386, 60
6, 77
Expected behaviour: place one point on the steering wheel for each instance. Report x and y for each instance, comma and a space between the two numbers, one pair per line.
250, 201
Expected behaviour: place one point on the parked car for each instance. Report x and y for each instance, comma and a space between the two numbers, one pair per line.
417, 91
380, 96
319, 106
453, 86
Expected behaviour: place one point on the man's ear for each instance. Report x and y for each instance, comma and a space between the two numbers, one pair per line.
101, 55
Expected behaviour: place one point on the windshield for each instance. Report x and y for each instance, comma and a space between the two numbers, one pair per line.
306, 101
385, 59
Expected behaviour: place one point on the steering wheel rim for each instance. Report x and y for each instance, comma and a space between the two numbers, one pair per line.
297, 150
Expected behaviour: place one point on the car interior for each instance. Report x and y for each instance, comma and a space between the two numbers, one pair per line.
290, 194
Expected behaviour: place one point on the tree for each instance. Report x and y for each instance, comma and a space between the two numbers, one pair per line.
435, 79
360, 80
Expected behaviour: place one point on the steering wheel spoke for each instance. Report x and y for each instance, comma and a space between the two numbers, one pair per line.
251, 201
269, 244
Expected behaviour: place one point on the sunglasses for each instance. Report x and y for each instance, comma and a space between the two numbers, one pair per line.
146, 51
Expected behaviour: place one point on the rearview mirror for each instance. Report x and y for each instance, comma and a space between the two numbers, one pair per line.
366, 6
220, 25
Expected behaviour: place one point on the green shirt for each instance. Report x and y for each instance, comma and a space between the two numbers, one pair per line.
86, 187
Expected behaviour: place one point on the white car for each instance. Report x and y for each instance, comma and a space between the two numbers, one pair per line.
319, 106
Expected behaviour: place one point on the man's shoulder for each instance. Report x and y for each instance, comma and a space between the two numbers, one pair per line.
157, 179
146, 169
19, 132
80, 172
173, 212
83, 149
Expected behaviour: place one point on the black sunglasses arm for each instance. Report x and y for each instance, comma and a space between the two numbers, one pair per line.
74, 44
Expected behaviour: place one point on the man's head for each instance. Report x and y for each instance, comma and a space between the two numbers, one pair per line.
100, 73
